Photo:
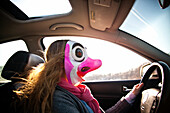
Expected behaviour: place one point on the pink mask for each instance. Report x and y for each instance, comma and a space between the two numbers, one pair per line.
77, 63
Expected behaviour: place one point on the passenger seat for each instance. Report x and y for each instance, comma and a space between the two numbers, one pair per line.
18, 63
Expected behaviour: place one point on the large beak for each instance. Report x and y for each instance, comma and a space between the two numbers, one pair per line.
87, 66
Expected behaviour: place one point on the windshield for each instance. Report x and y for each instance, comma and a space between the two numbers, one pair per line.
150, 23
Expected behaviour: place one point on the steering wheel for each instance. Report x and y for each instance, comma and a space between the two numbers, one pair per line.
156, 100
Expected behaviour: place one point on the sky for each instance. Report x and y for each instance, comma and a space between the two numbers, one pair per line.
55, 7
150, 23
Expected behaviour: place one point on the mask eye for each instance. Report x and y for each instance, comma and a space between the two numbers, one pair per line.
78, 53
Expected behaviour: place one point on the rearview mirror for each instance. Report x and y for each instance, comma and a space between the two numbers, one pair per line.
164, 3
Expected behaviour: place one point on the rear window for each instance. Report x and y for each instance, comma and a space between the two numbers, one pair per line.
8, 49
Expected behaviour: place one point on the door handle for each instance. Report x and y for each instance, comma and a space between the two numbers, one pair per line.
126, 89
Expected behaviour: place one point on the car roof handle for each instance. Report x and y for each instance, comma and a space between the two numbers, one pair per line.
66, 25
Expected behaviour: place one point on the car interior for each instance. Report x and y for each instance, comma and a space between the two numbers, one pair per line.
93, 19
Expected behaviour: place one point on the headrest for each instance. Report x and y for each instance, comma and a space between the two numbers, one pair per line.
20, 62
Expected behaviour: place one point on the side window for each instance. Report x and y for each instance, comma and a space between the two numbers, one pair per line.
8, 49
118, 63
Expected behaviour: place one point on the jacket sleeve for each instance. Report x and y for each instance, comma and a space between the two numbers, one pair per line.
122, 106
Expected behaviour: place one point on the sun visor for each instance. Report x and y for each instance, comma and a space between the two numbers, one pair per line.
103, 13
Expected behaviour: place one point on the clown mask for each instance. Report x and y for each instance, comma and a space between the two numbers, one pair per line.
77, 63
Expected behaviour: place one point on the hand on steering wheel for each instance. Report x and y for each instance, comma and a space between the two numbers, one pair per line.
137, 88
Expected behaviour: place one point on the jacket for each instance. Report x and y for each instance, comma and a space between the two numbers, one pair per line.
66, 102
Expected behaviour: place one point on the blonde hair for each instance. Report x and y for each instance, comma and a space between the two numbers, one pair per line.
36, 95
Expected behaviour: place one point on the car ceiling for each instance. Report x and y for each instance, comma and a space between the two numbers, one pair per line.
80, 16
89, 18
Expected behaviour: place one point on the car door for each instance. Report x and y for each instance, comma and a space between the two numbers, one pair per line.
108, 93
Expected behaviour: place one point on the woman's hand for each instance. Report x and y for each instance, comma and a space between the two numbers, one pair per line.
130, 97
136, 88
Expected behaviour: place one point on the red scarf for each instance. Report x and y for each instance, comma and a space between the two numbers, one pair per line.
83, 93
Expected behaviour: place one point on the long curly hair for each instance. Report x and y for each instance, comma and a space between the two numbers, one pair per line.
36, 95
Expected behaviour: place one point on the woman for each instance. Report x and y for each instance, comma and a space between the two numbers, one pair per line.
56, 85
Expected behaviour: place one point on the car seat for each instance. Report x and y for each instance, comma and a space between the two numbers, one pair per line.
18, 63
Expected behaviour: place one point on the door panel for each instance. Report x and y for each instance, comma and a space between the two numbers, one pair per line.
108, 93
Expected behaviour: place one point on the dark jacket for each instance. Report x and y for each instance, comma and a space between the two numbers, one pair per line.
66, 102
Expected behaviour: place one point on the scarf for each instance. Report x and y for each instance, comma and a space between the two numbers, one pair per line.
83, 93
